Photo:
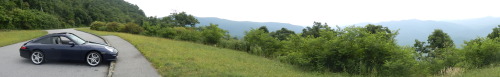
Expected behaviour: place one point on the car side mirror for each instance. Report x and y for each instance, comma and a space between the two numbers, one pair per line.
71, 43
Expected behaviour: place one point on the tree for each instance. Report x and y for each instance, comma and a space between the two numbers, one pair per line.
264, 28
377, 28
315, 30
261, 43
439, 39
282, 34
213, 34
43, 14
481, 52
495, 33
420, 46
183, 19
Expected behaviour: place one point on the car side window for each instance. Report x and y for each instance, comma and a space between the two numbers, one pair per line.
64, 40
47, 40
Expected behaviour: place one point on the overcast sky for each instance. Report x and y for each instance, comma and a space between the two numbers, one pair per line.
333, 12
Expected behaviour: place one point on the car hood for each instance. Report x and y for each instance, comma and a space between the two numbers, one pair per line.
90, 43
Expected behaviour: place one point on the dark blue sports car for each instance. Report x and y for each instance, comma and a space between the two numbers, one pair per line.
66, 46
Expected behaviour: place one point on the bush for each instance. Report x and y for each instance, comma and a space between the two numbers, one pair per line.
355, 50
212, 34
186, 34
402, 63
102, 28
152, 30
482, 51
261, 40
233, 44
96, 25
167, 32
113, 26
133, 28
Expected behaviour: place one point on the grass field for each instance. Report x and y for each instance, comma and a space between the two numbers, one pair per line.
180, 58
15, 36
484, 72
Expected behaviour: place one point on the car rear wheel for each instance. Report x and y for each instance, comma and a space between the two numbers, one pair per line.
93, 58
37, 57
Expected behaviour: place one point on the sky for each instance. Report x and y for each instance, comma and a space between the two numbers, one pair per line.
333, 12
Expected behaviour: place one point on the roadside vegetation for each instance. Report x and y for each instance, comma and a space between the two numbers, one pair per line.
15, 36
183, 58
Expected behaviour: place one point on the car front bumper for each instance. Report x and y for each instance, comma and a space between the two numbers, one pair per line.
111, 56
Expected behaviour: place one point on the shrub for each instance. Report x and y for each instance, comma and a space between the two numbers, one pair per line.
102, 28
482, 51
96, 25
355, 50
152, 30
261, 40
167, 32
133, 28
256, 49
212, 34
186, 34
233, 44
402, 63
113, 26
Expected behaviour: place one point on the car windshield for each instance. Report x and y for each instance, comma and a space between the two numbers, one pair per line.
77, 39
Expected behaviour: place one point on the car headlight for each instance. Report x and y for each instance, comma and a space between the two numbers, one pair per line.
111, 49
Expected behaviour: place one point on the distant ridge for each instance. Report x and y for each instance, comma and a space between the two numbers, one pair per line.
238, 28
458, 30
409, 30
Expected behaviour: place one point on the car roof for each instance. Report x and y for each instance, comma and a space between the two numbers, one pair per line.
54, 34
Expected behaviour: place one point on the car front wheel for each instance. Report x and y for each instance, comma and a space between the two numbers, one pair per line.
93, 58
37, 57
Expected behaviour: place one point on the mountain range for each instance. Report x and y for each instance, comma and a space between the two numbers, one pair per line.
409, 30
238, 28
458, 30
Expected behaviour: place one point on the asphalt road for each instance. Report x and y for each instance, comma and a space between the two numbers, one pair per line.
13, 65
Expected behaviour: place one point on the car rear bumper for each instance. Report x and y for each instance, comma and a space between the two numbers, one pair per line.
24, 53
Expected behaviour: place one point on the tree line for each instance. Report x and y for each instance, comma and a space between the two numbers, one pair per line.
178, 26
49, 14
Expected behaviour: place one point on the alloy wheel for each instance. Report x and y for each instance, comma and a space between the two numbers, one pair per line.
93, 58
37, 57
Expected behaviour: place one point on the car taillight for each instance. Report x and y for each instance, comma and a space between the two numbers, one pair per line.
23, 47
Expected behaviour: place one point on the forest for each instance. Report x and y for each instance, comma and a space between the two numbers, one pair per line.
50, 14
363, 50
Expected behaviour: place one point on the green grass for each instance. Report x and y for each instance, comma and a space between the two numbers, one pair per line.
180, 58
14, 36
484, 72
